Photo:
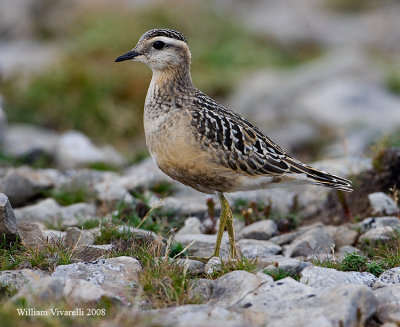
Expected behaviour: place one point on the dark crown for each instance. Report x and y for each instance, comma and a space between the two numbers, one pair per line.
163, 32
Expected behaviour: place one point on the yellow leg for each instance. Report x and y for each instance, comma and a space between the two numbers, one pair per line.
226, 218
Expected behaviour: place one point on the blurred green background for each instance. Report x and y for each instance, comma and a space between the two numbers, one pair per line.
87, 91
80, 87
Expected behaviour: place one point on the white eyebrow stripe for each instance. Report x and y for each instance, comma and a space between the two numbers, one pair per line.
167, 40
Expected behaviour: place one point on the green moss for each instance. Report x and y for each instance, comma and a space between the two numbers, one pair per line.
68, 195
388, 252
392, 83
280, 273
14, 255
354, 262
227, 266
177, 248
102, 166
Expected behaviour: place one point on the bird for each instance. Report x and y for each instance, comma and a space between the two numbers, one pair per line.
203, 144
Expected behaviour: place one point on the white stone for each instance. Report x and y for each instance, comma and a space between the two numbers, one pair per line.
256, 248
321, 277
232, 287
289, 303
374, 222
260, 230
313, 241
114, 274
388, 303
192, 226
49, 211
24, 139
382, 204
8, 223
378, 234
74, 149
388, 277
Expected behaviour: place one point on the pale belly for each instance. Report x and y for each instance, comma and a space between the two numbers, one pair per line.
173, 147
178, 154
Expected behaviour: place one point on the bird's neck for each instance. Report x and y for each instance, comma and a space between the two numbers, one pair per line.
171, 81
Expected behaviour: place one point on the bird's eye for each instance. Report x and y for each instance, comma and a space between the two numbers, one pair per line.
158, 45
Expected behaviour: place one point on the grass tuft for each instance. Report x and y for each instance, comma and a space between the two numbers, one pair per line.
354, 262
47, 257
68, 195
280, 273
229, 265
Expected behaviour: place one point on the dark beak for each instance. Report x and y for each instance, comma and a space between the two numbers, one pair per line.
128, 56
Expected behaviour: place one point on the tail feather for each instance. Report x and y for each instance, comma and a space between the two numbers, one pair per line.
320, 177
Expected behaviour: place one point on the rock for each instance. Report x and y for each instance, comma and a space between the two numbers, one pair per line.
201, 289
313, 241
74, 150
54, 235
260, 230
192, 226
388, 298
111, 192
197, 315
46, 211
75, 237
27, 140
233, 286
378, 234
203, 244
289, 265
289, 303
382, 205
77, 213
20, 278
50, 289
389, 277
12, 59
81, 291
88, 253
285, 238
347, 102
49, 211
321, 277
213, 265
255, 248
23, 184
187, 204
374, 222
31, 235
144, 175
116, 275
320, 24
142, 234
193, 267
344, 77
342, 235
8, 223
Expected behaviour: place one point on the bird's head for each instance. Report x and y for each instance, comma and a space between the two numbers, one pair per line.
161, 50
